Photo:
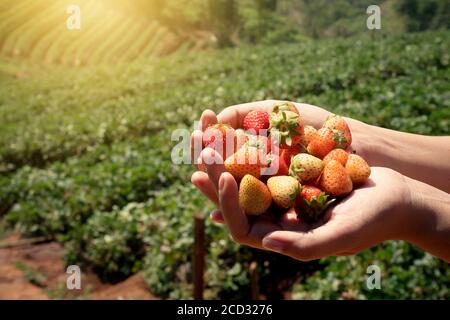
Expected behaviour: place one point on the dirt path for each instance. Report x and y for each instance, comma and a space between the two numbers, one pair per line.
37, 271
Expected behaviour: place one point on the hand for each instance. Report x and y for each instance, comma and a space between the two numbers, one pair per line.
208, 182
369, 215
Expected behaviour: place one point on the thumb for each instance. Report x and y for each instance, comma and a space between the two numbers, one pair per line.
325, 240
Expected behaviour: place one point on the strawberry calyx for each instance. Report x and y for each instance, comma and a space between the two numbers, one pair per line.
285, 125
339, 138
312, 209
295, 171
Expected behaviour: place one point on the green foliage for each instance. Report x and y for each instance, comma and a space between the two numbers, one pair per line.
50, 201
85, 157
406, 273
425, 14
109, 243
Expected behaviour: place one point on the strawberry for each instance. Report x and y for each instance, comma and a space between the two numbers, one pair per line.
338, 125
256, 120
322, 144
311, 203
358, 169
339, 155
259, 141
335, 180
309, 134
219, 137
281, 162
247, 160
286, 156
284, 190
241, 138
285, 106
305, 167
254, 196
275, 167
288, 127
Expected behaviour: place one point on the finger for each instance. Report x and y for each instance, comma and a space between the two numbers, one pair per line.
203, 183
323, 241
233, 215
196, 147
214, 166
234, 115
207, 118
313, 115
241, 229
217, 217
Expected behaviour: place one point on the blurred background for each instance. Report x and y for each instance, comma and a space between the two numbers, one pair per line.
86, 117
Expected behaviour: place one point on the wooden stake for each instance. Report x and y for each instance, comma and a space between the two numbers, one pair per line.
254, 280
199, 255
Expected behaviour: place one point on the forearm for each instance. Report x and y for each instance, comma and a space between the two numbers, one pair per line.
423, 158
429, 218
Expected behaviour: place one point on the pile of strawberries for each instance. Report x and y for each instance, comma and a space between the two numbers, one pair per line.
278, 161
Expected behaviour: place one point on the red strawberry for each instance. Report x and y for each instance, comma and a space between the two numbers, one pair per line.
275, 167
247, 160
219, 137
339, 155
288, 127
278, 165
326, 140
283, 161
311, 203
335, 179
338, 125
256, 120
322, 144
358, 169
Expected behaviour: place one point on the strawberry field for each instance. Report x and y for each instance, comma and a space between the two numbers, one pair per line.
85, 159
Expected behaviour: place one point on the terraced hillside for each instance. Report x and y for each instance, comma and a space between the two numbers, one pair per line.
37, 31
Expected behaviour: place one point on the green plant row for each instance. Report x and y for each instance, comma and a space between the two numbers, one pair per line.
66, 114
51, 201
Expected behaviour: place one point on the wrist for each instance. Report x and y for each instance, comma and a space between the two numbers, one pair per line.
429, 209
364, 139
416, 211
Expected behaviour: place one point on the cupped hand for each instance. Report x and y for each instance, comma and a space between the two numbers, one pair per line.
369, 215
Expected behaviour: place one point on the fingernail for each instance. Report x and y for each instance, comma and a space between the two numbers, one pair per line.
272, 245
221, 183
